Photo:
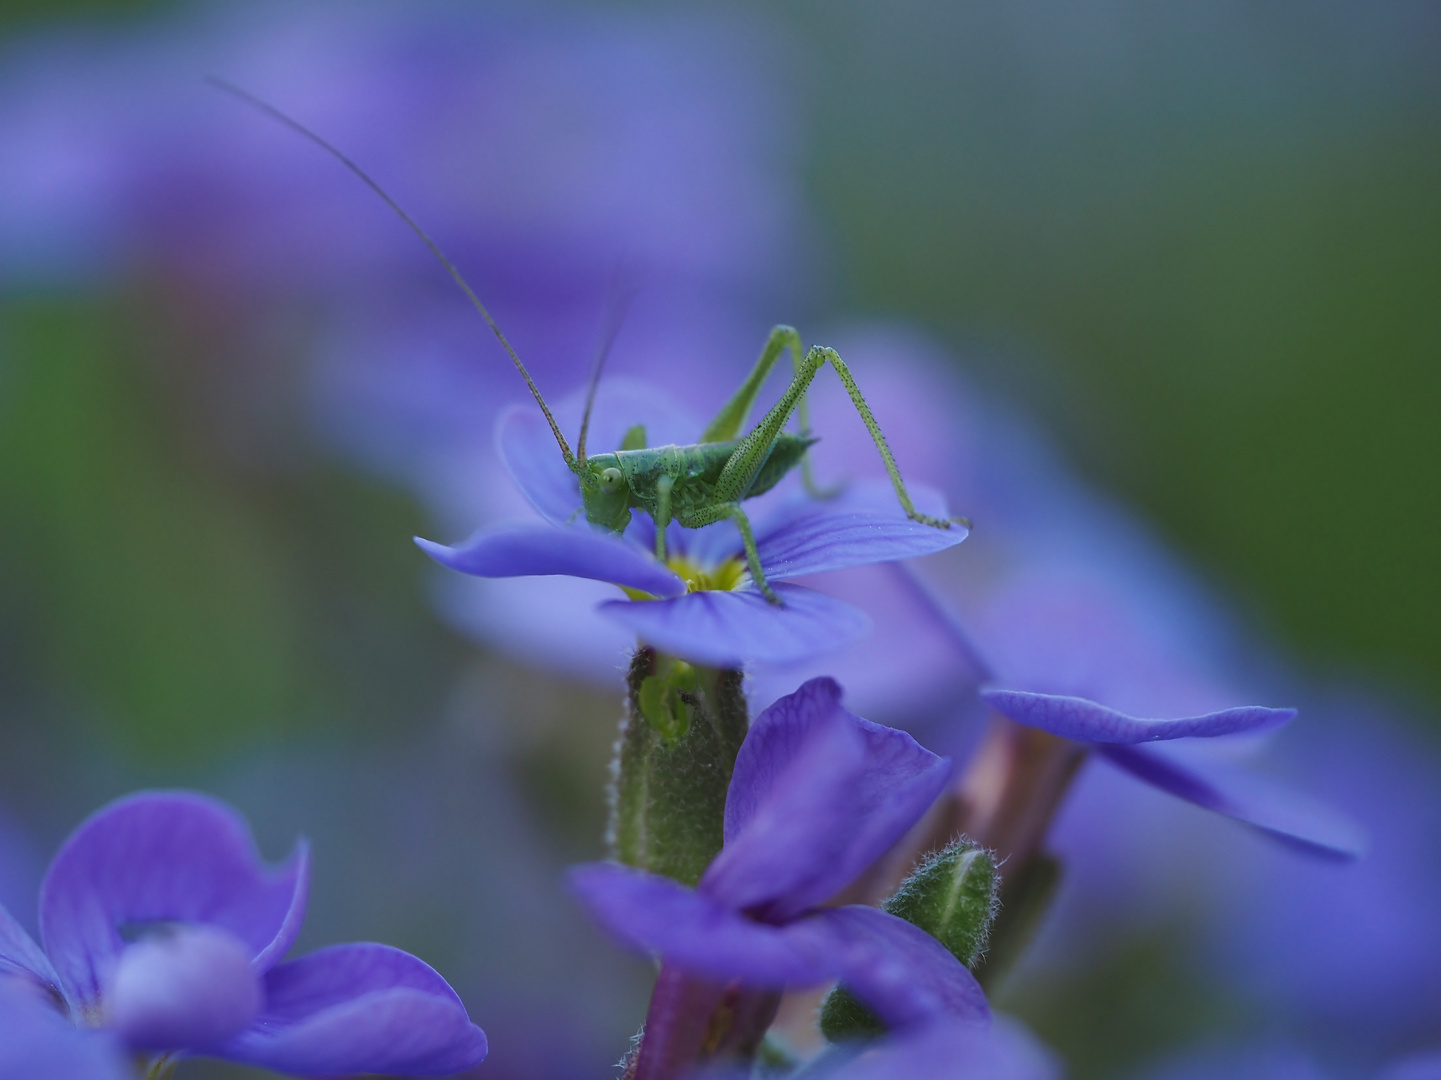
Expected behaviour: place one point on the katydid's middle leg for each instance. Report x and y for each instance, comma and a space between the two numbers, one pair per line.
733, 511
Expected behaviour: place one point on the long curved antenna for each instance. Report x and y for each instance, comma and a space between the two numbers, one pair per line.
296, 126
618, 308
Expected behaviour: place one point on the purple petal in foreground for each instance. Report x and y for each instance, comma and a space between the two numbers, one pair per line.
817, 796
19, 955
36, 1041
360, 1008
192, 986
1000, 1051
546, 550
1085, 721
863, 525
695, 932
163, 857
1273, 808
728, 629
907, 977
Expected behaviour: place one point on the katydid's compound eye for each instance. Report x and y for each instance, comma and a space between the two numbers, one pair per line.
610, 479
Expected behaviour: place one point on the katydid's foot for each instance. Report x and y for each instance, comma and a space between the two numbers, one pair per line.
935, 522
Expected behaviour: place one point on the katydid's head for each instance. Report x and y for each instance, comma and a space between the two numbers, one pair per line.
604, 492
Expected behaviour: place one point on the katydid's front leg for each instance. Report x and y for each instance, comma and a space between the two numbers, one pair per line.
662, 516
720, 512
750, 453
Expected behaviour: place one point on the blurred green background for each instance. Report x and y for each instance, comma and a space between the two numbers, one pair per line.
1210, 259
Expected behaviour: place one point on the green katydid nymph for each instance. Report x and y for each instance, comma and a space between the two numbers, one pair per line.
695, 485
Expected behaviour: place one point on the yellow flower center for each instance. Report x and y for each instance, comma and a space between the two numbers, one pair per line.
722, 577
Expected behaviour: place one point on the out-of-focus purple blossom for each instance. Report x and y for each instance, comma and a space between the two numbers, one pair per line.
1003, 1050
706, 608
1278, 923
164, 931
818, 794
547, 143
1420, 1067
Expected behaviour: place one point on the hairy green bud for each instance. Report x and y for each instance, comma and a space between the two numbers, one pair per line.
952, 897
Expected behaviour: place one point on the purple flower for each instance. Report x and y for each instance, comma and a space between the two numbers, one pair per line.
818, 794
701, 603
1063, 641
163, 929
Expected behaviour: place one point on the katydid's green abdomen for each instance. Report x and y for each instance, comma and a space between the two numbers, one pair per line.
693, 470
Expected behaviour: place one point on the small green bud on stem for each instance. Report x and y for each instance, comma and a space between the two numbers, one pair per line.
952, 897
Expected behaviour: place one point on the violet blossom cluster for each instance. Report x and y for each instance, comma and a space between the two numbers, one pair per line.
1057, 636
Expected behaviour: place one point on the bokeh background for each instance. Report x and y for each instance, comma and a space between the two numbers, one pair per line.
1200, 244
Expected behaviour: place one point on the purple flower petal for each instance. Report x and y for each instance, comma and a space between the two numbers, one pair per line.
163, 857
544, 550
20, 955
37, 1041
1273, 808
187, 989
360, 1008
906, 976
529, 450
728, 629
1085, 721
696, 932
818, 794
863, 525
998, 1051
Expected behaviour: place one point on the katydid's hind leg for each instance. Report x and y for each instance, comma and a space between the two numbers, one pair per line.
662, 515
879, 439
733, 511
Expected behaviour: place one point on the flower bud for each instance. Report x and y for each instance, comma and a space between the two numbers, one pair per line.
952, 897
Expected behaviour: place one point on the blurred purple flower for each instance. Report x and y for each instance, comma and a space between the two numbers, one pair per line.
706, 608
549, 143
818, 794
1003, 1050
1272, 932
163, 928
